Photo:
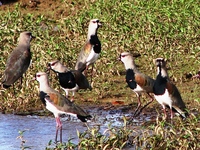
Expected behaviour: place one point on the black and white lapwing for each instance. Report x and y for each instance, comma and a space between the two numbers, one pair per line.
70, 80
91, 49
57, 103
166, 93
18, 61
137, 81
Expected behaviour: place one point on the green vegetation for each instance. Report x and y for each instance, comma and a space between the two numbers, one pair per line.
154, 28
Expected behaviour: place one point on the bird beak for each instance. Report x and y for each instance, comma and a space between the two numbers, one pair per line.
34, 78
99, 24
32, 37
48, 68
119, 58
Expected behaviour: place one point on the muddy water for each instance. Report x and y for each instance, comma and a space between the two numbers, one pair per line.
40, 130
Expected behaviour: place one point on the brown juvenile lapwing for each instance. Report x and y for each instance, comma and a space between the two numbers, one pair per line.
70, 80
18, 61
57, 103
166, 93
136, 80
91, 49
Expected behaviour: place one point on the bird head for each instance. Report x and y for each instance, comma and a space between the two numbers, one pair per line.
56, 66
160, 62
126, 57
53, 65
41, 77
93, 26
25, 37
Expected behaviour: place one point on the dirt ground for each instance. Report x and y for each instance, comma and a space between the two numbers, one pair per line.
36, 6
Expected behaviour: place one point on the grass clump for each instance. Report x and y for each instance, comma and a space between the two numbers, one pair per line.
179, 134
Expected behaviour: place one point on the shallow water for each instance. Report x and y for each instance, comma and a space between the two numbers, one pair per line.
40, 130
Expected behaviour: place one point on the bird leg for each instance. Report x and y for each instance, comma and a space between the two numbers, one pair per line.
85, 71
172, 114
145, 105
165, 114
139, 104
73, 93
58, 127
21, 80
91, 73
14, 89
66, 92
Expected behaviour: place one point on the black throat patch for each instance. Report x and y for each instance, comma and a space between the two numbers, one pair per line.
97, 44
42, 97
160, 84
130, 78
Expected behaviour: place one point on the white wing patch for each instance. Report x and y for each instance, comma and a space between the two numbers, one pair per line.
138, 89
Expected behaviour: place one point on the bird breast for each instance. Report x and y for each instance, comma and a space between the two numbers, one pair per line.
164, 99
92, 57
138, 89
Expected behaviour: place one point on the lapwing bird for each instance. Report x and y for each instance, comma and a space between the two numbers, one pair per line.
166, 93
91, 49
57, 103
137, 81
18, 61
70, 80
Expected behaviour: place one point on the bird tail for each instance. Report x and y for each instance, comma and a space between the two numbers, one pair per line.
84, 118
6, 86
183, 114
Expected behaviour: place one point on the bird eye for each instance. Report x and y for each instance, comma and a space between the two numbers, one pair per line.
123, 55
53, 64
93, 21
38, 76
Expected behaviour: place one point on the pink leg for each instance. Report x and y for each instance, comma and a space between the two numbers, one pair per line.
92, 73
85, 72
72, 99
144, 105
58, 127
151, 98
66, 93
165, 114
139, 104
172, 114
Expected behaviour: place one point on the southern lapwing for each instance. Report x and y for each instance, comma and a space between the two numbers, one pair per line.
57, 103
18, 61
91, 49
136, 80
70, 80
165, 92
